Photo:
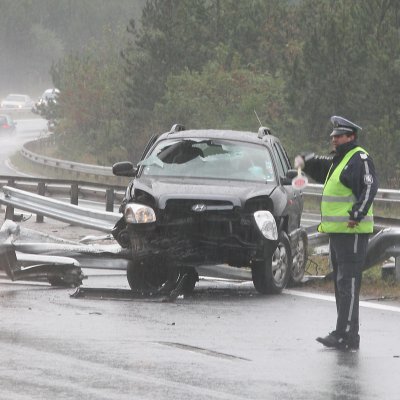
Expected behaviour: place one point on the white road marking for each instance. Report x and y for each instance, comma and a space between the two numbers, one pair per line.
365, 304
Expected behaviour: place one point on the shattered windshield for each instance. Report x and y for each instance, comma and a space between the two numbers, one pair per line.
209, 158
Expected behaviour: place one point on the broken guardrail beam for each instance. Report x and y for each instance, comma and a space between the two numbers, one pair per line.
89, 218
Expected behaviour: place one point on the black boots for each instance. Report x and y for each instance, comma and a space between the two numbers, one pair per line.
340, 341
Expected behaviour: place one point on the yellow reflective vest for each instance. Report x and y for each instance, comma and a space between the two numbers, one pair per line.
337, 202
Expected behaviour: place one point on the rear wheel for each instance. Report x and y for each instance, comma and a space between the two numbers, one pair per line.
271, 275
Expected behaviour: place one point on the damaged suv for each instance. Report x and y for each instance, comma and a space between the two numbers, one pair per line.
212, 202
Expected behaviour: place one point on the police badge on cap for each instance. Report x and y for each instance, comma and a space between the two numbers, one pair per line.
342, 126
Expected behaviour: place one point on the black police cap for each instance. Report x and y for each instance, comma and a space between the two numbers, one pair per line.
342, 126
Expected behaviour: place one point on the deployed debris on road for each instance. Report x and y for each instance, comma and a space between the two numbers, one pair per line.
164, 294
58, 271
30, 255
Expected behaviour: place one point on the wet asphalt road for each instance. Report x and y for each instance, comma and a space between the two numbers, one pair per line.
27, 129
225, 342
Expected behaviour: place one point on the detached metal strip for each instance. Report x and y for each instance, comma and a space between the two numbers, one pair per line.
100, 220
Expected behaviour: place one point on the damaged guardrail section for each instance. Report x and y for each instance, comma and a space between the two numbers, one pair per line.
100, 220
27, 254
61, 262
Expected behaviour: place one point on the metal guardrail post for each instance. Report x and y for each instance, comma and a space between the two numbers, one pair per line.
10, 209
74, 193
110, 199
41, 190
397, 268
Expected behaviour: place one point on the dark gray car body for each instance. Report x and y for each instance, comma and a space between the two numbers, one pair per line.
209, 219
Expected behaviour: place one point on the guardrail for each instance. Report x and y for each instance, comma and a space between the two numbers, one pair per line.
67, 165
75, 190
56, 209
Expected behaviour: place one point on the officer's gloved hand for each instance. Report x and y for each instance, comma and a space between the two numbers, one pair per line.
299, 162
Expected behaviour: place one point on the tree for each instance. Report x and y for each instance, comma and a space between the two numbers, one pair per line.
175, 34
217, 98
91, 103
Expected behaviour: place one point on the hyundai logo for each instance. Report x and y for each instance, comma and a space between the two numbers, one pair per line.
199, 208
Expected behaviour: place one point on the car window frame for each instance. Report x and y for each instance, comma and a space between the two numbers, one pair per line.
156, 139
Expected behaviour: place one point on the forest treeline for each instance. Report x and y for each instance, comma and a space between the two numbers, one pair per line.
212, 63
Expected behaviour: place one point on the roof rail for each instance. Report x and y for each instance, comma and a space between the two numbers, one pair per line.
177, 128
263, 131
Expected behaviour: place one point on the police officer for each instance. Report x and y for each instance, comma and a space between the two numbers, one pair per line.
350, 185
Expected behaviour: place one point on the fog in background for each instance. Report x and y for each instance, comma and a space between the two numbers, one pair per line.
35, 34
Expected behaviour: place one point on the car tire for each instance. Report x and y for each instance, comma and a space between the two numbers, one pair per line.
300, 258
192, 277
150, 277
271, 275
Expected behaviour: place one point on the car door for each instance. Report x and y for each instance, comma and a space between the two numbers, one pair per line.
294, 197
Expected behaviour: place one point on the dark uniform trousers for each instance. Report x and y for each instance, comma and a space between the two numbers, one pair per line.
348, 252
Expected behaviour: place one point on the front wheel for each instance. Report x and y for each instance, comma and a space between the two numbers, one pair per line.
271, 275
151, 277
191, 278
148, 275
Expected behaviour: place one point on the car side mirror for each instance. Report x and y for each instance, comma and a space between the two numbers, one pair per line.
124, 168
290, 175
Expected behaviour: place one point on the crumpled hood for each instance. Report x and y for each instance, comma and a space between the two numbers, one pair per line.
172, 188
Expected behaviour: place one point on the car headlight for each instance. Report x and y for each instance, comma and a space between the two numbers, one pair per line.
139, 214
266, 224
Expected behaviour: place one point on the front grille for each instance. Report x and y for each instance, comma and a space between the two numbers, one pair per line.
222, 233
184, 207
219, 223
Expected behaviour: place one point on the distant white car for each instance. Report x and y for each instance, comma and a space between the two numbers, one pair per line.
17, 101
49, 95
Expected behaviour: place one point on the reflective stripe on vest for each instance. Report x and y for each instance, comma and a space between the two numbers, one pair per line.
337, 201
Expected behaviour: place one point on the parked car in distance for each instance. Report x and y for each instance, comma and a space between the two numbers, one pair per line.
7, 124
215, 198
17, 101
